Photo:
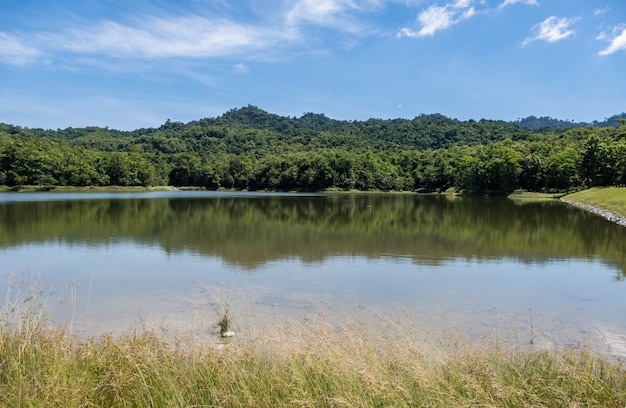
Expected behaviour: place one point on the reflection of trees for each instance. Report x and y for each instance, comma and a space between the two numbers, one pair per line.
252, 230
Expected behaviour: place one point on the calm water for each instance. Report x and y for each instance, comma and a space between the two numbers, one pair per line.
480, 266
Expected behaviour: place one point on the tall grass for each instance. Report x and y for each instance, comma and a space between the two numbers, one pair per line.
316, 363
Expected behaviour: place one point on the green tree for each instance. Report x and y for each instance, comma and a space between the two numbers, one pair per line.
562, 170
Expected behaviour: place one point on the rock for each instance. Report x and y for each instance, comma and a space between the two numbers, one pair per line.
228, 334
616, 218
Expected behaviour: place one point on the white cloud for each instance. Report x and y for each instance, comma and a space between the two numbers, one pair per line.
435, 18
598, 12
14, 50
511, 2
406, 32
552, 29
190, 36
165, 38
329, 13
617, 40
241, 68
318, 11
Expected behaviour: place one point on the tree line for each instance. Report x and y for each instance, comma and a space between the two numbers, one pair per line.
251, 149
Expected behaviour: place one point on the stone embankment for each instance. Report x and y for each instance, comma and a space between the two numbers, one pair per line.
616, 218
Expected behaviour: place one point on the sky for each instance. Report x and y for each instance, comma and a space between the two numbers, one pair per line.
129, 64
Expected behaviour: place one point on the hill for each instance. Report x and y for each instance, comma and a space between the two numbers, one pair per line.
249, 148
546, 122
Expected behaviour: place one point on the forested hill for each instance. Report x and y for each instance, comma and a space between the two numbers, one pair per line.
252, 131
249, 148
546, 122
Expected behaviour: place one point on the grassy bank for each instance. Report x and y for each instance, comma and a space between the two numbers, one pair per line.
612, 199
295, 365
532, 196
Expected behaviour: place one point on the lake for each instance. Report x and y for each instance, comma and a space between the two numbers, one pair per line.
106, 262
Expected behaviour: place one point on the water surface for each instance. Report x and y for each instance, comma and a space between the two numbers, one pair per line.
482, 266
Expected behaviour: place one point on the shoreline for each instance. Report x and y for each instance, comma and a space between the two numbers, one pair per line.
608, 202
609, 215
605, 213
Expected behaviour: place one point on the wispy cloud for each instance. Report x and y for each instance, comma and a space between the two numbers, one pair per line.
436, 17
241, 68
599, 12
317, 11
192, 37
552, 29
617, 40
14, 50
148, 38
506, 3
329, 13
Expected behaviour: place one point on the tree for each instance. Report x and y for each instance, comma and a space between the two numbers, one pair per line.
562, 170
533, 174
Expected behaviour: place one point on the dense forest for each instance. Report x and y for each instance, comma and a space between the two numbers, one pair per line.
546, 122
249, 148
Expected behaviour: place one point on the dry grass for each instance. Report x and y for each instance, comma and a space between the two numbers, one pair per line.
314, 363
323, 361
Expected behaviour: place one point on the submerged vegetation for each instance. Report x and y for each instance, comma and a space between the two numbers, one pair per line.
310, 364
249, 148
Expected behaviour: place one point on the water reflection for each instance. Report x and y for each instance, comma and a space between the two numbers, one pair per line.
251, 230
474, 264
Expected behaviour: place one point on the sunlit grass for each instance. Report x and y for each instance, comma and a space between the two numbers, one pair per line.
325, 361
533, 196
612, 199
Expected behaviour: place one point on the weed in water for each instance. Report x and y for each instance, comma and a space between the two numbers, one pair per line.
224, 324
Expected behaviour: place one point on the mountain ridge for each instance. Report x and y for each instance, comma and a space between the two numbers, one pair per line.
261, 119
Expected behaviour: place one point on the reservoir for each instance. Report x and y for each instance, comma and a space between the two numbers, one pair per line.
529, 272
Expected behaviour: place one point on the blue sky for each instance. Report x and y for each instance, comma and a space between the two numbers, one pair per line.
128, 64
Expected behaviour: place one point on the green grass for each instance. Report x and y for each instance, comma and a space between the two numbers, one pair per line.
312, 364
611, 199
529, 196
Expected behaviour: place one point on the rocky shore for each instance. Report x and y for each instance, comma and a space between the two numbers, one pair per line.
616, 218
